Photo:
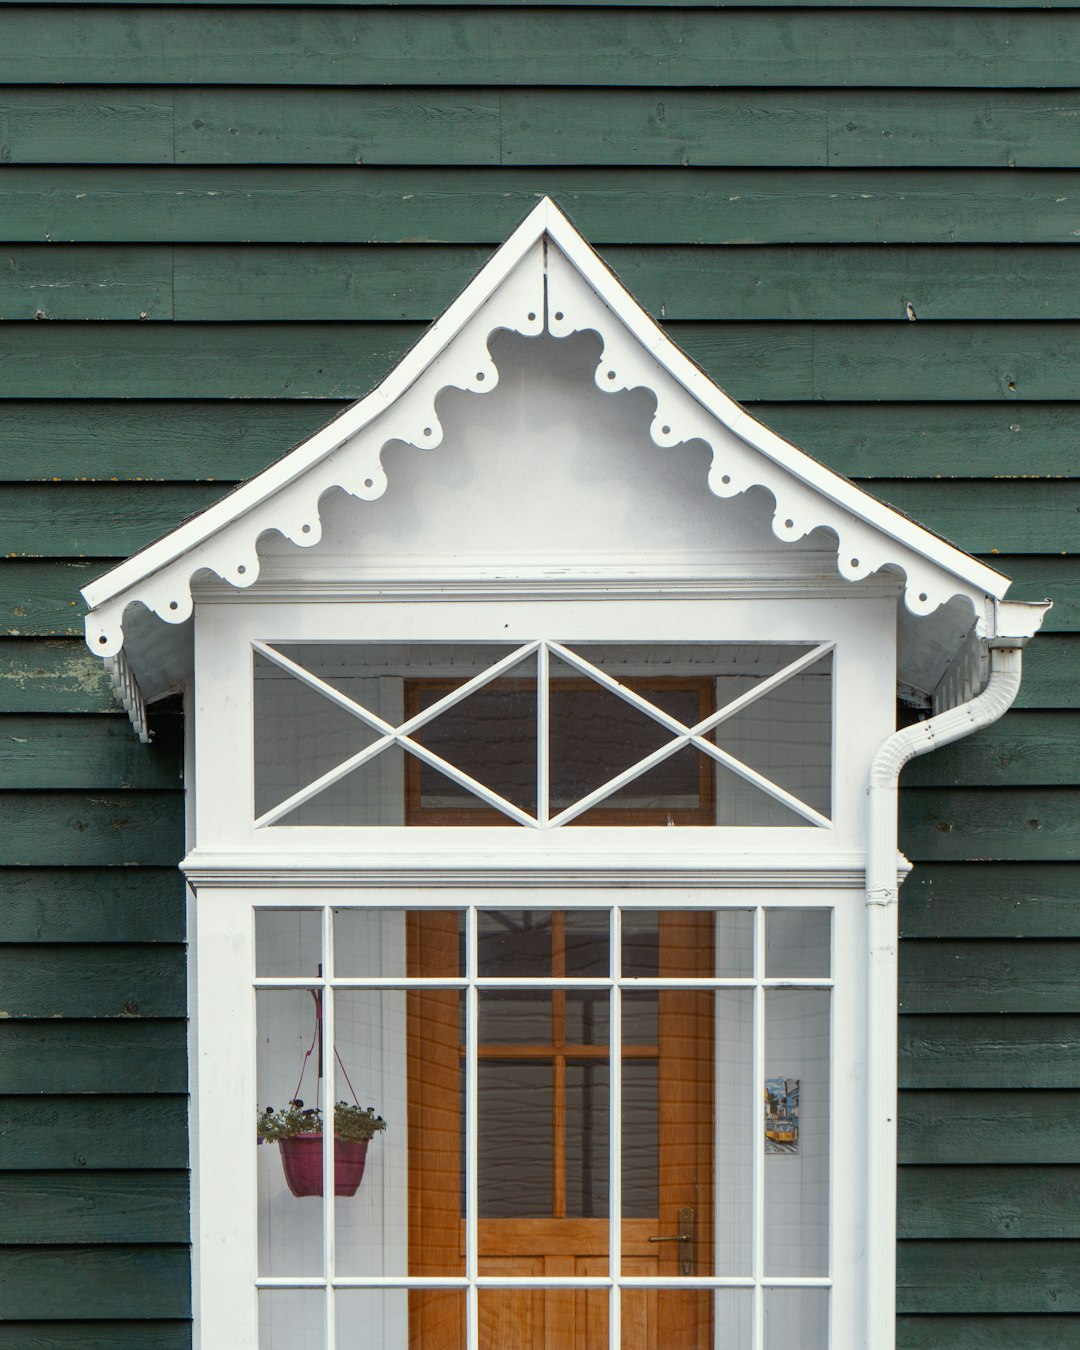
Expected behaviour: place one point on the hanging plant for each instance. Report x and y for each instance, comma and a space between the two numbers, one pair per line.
298, 1129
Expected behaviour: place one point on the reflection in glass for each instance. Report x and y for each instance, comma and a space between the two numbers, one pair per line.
797, 943
288, 1052
515, 1017
641, 1139
370, 1068
729, 934
531, 943
515, 1139
673, 1319
292, 1319
796, 1317
526, 1319
396, 1319
587, 1119
736, 1137
288, 942
375, 942
797, 1164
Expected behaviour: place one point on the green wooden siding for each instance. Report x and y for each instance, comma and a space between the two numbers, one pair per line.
223, 222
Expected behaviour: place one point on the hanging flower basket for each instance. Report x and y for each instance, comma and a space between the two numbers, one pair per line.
302, 1162
298, 1132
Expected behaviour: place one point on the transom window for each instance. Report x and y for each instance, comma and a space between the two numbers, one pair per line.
606, 1128
543, 735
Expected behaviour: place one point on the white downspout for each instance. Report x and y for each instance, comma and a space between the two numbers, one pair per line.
882, 906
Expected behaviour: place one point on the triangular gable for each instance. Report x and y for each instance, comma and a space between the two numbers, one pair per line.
544, 278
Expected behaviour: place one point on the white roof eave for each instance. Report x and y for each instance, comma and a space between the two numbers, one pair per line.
529, 287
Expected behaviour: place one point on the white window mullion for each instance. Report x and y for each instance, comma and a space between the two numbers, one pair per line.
757, 1131
472, 1131
543, 731
329, 1062
615, 1132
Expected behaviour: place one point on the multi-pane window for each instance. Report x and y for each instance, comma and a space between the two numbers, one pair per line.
607, 1126
543, 734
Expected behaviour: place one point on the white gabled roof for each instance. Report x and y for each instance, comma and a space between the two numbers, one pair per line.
544, 278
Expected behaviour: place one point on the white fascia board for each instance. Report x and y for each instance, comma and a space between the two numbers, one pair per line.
506, 293
801, 466
255, 491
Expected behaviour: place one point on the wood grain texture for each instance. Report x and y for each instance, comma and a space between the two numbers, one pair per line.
1044, 1332
960, 824
46, 1208
97, 1335
509, 46
989, 1202
92, 904
951, 976
42, 675
42, 599
101, 980
991, 900
988, 1277
195, 440
93, 1133
1024, 749
319, 282
86, 829
93, 752
122, 1055
992, 1052
1050, 674
476, 126
94, 1282
963, 1128
227, 204
752, 361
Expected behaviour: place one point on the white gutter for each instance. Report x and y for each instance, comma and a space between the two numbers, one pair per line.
882, 912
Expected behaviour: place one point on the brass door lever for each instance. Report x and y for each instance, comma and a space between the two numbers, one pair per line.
685, 1234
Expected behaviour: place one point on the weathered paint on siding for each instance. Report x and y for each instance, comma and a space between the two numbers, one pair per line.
863, 221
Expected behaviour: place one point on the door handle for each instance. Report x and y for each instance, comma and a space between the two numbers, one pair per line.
686, 1234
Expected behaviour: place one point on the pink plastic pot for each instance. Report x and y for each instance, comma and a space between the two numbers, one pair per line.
301, 1158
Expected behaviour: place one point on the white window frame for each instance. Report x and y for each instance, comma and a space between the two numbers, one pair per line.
227, 1244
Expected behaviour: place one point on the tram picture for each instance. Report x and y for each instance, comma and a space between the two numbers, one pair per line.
781, 1115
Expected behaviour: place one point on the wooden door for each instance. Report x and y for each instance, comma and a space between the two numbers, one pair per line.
552, 1237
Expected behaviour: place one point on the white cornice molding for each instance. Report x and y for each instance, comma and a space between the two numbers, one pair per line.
205, 876
544, 277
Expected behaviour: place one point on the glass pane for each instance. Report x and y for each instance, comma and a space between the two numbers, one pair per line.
292, 1319
669, 1147
731, 940
515, 1017
734, 1311
736, 1133
586, 943
786, 735
796, 1142
288, 942
797, 943
289, 1050
676, 791
299, 734
534, 943
535, 1319
641, 1140
668, 1319
490, 735
587, 1117
586, 1016
436, 1132
389, 943
516, 942
516, 1154
394, 1319
796, 1317
640, 1018
371, 1092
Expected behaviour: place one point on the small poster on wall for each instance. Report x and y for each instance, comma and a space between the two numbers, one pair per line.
781, 1115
